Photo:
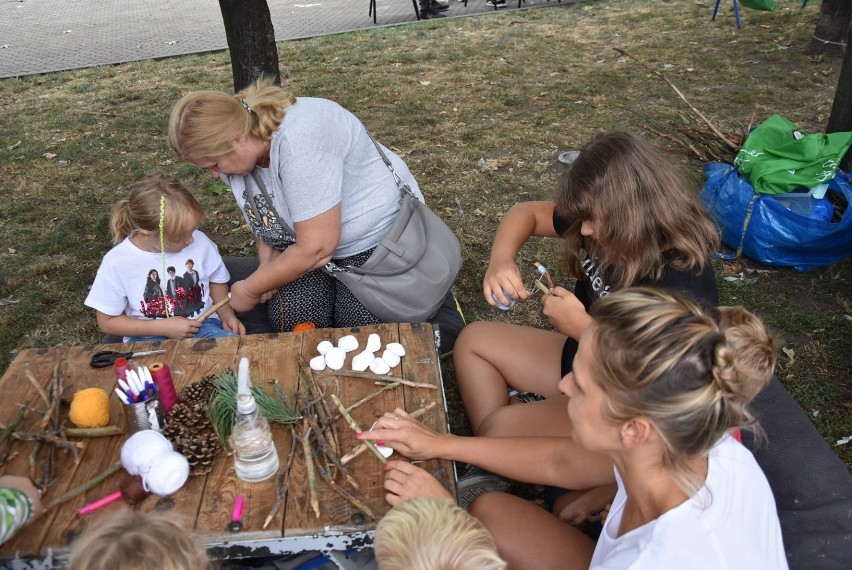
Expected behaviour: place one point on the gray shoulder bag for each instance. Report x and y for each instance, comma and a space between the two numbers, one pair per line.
410, 272
414, 266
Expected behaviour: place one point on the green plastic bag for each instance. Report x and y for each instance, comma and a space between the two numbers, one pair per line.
766, 5
777, 158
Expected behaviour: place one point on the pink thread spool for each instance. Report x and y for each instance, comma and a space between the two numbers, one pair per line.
163, 379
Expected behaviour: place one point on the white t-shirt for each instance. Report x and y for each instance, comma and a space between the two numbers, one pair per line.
125, 283
732, 522
321, 156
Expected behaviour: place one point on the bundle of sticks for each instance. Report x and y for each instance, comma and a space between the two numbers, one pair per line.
319, 439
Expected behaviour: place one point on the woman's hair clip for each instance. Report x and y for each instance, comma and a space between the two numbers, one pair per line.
246, 106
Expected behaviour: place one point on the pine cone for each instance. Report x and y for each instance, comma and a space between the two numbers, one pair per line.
198, 391
192, 416
200, 450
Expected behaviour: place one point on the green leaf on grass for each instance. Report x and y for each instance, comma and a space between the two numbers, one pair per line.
215, 188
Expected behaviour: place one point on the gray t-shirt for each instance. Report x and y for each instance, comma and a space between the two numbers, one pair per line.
321, 156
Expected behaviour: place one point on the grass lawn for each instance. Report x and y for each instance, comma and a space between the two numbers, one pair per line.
480, 108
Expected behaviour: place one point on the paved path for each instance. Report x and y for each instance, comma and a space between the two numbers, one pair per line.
40, 36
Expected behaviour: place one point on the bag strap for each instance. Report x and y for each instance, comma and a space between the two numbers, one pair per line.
253, 205
403, 187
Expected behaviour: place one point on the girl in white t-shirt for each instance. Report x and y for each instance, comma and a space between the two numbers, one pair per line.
138, 293
657, 385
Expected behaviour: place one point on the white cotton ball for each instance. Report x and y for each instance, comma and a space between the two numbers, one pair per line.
141, 448
317, 363
348, 343
362, 361
379, 366
168, 474
391, 358
335, 358
324, 346
374, 343
395, 348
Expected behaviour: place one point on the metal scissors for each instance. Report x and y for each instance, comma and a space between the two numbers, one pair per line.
106, 358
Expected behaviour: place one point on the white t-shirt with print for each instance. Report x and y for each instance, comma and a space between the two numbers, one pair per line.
139, 284
732, 522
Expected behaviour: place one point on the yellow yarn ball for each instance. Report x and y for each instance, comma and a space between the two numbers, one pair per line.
89, 408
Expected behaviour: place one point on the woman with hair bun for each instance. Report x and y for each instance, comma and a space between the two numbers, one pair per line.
658, 385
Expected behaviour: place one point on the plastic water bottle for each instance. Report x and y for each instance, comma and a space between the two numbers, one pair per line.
255, 456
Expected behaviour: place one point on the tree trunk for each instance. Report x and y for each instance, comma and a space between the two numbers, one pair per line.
832, 26
251, 39
840, 119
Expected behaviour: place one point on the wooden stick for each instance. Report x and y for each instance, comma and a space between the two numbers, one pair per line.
94, 481
362, 448
37, 386
50, 438
281, 491
380, 378
352, 500
542, 287
9, 429
213, 309
309, 464
354, 425
94, 432
546, 274
322, 407
718, 133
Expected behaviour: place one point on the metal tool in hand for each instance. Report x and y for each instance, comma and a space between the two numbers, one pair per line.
106, 358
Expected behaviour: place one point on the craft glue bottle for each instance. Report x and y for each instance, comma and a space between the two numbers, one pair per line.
255, 456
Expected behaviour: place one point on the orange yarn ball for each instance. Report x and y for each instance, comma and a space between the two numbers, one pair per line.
89, 408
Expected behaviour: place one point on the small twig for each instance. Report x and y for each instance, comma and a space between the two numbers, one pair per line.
37, 386
22, 413
362, 448
718, 133
309, 463
50, 438
542, 287
354, 425
281, 490
546, 274
93, 482
352, 500
322, 407
94, 432
380, 378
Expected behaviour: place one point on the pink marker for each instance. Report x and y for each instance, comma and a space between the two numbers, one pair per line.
236, 524
111, 498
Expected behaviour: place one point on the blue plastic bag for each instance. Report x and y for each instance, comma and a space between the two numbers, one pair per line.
762, 228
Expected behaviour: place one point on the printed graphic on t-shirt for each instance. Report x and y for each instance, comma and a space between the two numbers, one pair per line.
596, 278
265, 224
183, 295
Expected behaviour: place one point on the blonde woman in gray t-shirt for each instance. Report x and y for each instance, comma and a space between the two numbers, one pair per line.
304, 164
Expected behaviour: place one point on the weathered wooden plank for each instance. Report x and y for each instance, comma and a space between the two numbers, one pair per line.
423, 364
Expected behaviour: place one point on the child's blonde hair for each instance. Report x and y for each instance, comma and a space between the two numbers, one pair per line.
204, 125
143, 208
434, 534
130, 541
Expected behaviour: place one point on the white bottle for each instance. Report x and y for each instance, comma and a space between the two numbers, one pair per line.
255, 456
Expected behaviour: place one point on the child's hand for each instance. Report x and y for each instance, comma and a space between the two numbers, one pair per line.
405, 481
233, 324
565, 312
501, 279
179, 327
589, 504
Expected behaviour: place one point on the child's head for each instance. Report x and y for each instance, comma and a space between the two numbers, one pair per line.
204, 124
130, 541
425, 533
690, 369
152, 197
644, 213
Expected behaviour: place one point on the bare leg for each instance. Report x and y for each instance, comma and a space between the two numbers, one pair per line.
545, 418
527, 536
489, 357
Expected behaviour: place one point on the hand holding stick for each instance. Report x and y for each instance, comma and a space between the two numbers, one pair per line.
213, 309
